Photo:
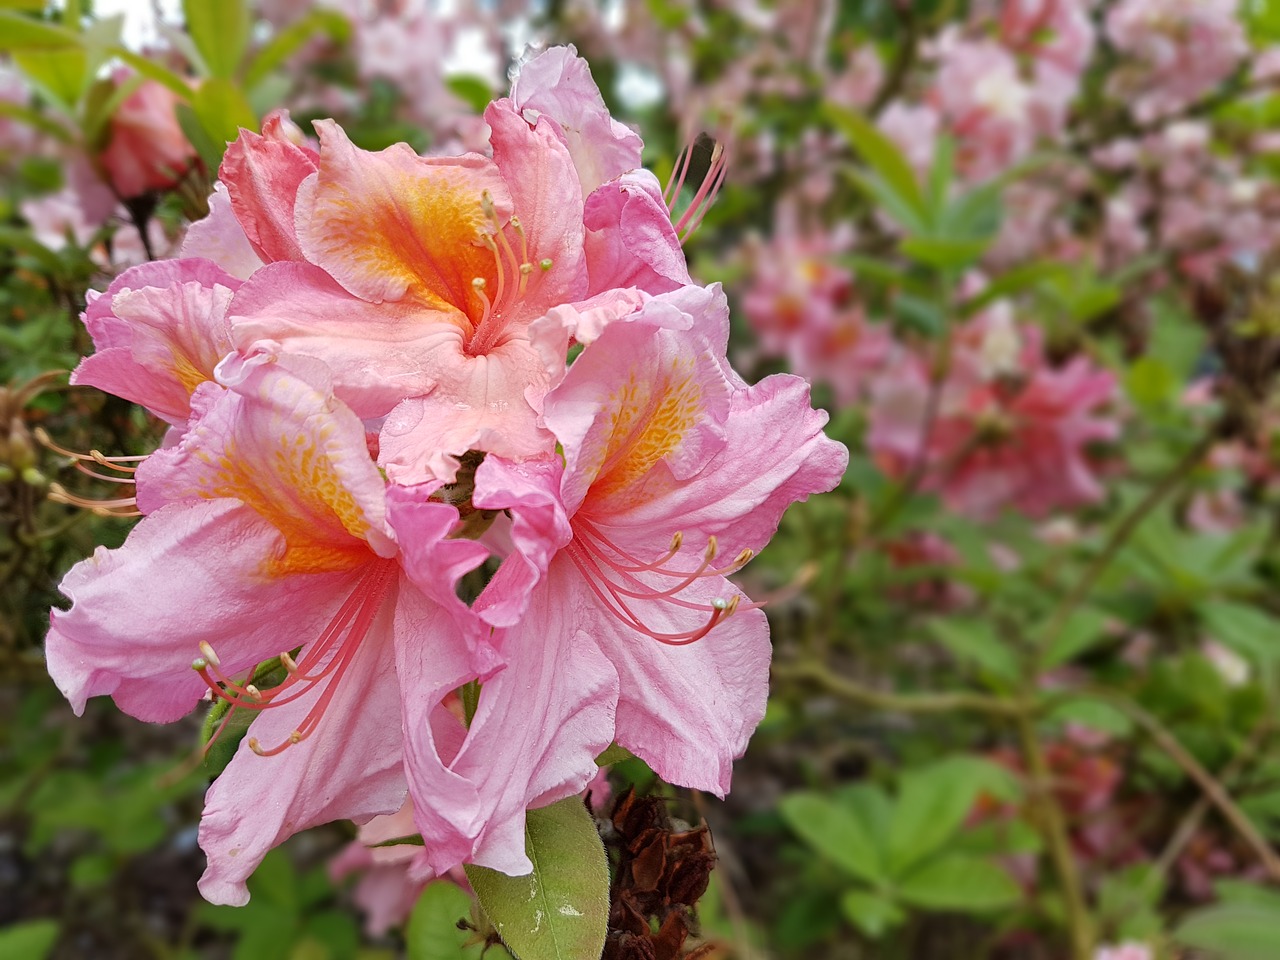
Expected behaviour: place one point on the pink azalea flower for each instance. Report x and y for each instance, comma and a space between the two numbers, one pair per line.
1010, 429
147, 149
416, 279
674, 473
269, 529
386, 891
805, 307
1128, 950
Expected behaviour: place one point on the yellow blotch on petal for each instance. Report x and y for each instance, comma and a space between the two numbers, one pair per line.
648, 420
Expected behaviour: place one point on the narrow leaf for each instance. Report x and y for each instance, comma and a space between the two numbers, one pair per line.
880, 153
220, 31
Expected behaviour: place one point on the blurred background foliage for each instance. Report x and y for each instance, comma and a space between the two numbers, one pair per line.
1026, 663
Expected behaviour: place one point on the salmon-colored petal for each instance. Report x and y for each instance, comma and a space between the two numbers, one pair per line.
548, 202
379, 353
262, 174
160, 329
478, 403
391, 225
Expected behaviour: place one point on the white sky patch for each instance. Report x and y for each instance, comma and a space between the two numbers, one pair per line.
139, 18
471, 55
637, 87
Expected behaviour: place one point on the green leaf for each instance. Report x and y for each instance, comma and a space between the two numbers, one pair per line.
1246, 630
475, 92
59, 74
154, 71
560, 911
30, 940
613, 754
25, 33
1094, 714
960, 882
222, 110
1011, 283
220, 31
835, 832
932, 804
1085, 628
944, 252
1233, 931
871, 913
977, 642
433, 933
881, 154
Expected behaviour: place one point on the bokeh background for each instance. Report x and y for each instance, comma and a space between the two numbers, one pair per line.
1026, 656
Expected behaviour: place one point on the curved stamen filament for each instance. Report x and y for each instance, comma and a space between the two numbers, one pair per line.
122, 507
115, 463
616, 583
325, 662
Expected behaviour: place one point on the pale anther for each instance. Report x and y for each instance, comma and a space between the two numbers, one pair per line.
289, 664
253, 691
207, 649
199, 663
546, 264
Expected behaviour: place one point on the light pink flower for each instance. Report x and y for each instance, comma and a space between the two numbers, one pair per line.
1180, 50
268, 528
147, 149
1128, 950
805, 307
1010, 430
674, 472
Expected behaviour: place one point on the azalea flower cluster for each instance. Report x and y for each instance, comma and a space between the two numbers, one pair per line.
393, 381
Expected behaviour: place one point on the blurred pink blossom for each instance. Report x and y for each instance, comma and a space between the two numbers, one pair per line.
1180, 50
1009, 430
147, 149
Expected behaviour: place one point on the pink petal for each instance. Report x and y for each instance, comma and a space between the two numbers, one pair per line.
557, 84
545, 196
160, 329
774, 454
262, 175
478, 403
188, 573
348, 769
530, 492
286, 449
220, 238
630, 239
540, 723
687, 711
390, 225
379, 353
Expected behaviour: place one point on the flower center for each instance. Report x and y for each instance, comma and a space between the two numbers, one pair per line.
511, 278
322, 665
619, 581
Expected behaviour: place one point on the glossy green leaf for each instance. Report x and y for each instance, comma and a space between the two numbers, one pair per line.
220, 31
30, 940
1246, 630
433, 933
560, 911
1083, 629
960, 882
59, 74
836, 832
154, 71
977, 642
222, 110
871, 913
